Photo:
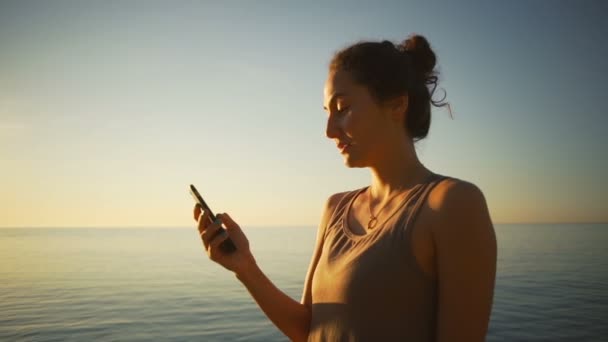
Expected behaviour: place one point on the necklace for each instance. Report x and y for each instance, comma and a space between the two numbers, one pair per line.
373, 219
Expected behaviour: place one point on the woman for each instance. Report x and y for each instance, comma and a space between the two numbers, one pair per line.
412, 256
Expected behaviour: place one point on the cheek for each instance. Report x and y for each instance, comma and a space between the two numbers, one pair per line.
358, 122
355, 129
351, 124
366, 129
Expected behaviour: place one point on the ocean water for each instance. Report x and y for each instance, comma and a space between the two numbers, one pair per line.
138, 284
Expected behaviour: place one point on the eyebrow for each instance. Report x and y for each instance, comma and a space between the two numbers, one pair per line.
333, 97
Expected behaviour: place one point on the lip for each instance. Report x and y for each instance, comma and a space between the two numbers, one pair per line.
343, 146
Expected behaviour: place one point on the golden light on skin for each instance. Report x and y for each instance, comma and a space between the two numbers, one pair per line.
354, 116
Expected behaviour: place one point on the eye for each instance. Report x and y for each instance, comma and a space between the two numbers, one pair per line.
343, 109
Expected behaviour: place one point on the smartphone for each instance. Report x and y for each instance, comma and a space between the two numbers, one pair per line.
227, 246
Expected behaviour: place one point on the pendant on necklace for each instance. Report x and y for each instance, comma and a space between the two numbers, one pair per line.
372, 222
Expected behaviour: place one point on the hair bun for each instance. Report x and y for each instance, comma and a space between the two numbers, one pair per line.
423, 58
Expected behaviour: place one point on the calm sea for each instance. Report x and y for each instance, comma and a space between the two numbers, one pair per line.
157, 284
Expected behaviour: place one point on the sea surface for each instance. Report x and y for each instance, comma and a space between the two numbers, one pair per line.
157, 284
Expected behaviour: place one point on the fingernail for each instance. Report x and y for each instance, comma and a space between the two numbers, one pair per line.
218, 220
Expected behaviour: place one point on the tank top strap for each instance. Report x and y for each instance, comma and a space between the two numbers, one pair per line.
340, 208
420, 198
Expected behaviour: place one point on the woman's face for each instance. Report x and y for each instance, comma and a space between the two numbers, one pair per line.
358, 125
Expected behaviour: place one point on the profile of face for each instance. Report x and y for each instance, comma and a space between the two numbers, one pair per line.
363, 130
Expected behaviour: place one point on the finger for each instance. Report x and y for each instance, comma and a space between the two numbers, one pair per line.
210, 232
196, 211
234, 230
232, 227
210, 237
228, 222
221, 237
203, 221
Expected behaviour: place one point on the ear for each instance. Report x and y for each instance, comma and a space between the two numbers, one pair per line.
398, 107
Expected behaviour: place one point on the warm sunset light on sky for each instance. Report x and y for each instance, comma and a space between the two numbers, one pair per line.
109, 110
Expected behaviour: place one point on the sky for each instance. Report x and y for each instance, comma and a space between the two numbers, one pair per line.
110, 109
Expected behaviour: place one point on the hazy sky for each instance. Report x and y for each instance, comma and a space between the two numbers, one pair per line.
109, 110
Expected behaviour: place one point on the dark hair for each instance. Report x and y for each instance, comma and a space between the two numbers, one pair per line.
389, 70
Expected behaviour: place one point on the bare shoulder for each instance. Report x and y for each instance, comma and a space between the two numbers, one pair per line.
330, 206
459, 208
465, 254
334, 199
453, 193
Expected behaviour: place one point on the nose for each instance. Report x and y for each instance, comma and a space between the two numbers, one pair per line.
332, 129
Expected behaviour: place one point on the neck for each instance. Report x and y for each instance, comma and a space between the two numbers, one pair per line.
397, 171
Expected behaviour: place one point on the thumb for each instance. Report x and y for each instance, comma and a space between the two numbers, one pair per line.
228, 222
233, 229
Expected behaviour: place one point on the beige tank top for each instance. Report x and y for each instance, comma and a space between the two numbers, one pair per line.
370, 287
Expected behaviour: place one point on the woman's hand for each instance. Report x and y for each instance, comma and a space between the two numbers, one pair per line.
237, 261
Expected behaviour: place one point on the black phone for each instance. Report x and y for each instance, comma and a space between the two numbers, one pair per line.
227, 246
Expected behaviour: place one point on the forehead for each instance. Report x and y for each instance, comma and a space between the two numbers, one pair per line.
338, 82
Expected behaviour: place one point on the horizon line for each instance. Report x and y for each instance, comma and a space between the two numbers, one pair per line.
264, 226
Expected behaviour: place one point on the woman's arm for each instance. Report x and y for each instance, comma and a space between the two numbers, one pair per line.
465, 247
291, 317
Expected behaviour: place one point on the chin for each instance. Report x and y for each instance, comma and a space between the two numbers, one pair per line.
352, 161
